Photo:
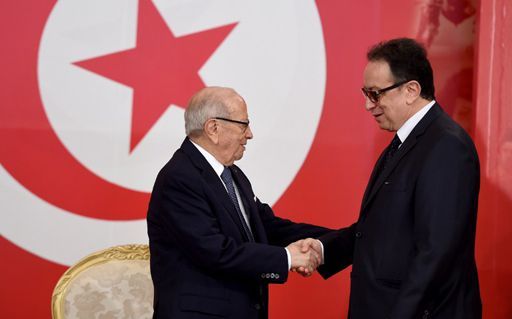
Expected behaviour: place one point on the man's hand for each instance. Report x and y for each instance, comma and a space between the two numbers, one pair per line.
314, 246
306, 256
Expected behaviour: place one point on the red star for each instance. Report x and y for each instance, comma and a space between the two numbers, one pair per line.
162, 69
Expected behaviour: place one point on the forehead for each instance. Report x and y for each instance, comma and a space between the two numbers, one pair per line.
377, 73
237, 105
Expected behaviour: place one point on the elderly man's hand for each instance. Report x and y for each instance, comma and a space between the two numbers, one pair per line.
306, 255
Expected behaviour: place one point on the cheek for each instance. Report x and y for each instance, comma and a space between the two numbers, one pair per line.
236, 147
390, 113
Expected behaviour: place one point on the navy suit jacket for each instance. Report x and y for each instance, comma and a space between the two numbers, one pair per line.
202, 262
412, 248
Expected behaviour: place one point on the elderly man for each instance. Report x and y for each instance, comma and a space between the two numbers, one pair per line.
412, 248
214, 246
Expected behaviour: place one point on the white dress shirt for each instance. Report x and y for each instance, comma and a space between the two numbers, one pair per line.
406, 129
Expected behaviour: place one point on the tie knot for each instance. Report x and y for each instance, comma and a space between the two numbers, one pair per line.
395, 143
226, 175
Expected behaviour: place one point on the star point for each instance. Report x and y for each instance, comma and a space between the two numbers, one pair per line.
162, 69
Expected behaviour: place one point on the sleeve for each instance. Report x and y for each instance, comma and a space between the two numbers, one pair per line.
445, 217
187, 218
338, 250
282, 232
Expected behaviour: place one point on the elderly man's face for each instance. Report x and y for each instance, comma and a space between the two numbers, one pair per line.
233, 136
391, 110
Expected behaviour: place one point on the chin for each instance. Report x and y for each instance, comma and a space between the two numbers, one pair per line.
386, 127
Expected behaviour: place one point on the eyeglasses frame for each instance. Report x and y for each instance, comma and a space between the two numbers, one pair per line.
246, 124
374, 95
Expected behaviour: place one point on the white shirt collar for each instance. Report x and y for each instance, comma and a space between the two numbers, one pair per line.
216, 165
409, 125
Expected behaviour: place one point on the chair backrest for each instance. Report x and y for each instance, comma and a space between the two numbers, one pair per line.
112, 283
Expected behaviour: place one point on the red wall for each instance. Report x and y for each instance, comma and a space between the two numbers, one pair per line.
493, 135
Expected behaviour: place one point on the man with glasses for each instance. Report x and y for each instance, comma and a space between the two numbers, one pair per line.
412, 248
214, 246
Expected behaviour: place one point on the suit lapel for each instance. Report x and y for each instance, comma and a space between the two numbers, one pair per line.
214, 182
373, 177
376, 181
249, 204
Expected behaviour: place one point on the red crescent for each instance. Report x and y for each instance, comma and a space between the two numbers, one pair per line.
31, 151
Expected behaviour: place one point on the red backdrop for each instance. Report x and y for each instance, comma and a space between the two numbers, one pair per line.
328, 188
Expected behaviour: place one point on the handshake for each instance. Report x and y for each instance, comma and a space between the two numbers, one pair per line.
306, 256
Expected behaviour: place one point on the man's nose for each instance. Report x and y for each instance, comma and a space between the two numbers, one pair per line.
248, 133
369, 105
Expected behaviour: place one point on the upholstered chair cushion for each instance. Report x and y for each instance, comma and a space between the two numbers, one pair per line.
114, 283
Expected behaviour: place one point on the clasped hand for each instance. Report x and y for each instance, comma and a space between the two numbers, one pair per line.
306, 256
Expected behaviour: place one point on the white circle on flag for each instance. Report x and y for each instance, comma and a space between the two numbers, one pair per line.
274, 58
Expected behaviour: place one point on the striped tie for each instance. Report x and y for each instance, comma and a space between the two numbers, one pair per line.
228, 180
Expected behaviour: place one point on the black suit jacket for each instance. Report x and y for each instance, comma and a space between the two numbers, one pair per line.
202, 263
412, 248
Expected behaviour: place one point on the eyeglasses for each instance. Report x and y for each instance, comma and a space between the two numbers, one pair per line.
374, 95
244, 123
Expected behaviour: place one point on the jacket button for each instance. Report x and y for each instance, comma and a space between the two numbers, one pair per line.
359, 234
425, 314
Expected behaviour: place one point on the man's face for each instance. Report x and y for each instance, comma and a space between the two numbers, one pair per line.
391, 110
233, 136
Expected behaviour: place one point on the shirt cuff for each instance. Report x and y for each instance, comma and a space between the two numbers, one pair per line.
322, 246
289, 257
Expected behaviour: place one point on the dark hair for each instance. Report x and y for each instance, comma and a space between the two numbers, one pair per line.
407, 60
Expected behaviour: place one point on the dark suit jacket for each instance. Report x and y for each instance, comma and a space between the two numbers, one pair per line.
202, 263
412, 248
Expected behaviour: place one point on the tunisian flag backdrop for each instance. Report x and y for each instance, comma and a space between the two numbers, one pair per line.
91, 106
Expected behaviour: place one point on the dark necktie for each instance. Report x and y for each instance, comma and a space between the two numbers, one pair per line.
228, 180
390, 152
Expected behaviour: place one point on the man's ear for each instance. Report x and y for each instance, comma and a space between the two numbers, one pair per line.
211, 130
413, 90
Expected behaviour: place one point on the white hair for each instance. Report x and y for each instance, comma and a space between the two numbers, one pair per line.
208, 103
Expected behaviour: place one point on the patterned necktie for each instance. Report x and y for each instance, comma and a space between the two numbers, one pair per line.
228, 180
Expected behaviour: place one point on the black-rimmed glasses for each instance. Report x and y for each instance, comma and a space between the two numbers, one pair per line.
244, 123
374, 95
